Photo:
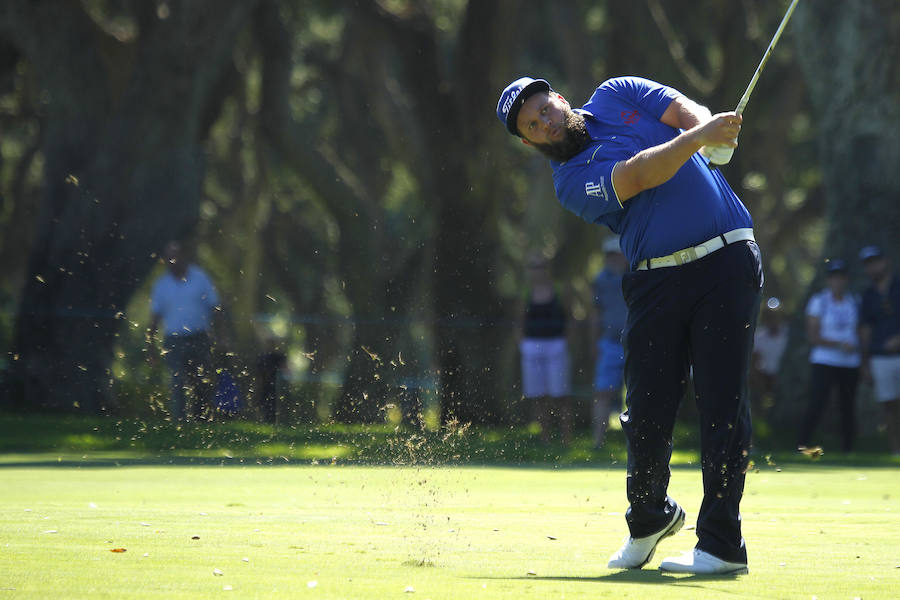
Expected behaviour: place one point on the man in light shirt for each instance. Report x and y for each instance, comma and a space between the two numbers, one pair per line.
184, 301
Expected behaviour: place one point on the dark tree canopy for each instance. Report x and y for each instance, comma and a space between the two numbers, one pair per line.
340, 169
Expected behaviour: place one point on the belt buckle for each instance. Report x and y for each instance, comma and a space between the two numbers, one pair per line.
685, 256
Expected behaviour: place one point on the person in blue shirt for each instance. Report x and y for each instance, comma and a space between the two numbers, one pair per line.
634, 158
608, 322
184, 303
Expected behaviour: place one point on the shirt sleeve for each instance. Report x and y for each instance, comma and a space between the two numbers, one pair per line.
651, 96
210, 294
155, 299
815, 307
586, 187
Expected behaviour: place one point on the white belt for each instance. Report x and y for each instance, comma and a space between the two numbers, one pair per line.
691, 254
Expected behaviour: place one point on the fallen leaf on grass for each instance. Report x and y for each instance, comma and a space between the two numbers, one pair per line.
813, 452
118, 550
195, 537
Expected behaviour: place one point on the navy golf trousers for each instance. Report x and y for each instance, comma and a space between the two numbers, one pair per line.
702, 315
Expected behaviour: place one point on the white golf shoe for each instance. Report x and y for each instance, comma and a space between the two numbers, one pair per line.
699, 562
637, 552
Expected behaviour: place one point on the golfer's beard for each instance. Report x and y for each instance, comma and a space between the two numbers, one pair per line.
576, 136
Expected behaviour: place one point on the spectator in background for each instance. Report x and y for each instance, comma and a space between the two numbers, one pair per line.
184, 301
832, 320
608, 322
545, 354
769, 343
270, 362
880, 337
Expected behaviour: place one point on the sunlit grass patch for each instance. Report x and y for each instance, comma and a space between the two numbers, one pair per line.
279, 530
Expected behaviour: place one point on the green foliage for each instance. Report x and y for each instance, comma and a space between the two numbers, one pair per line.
310, 266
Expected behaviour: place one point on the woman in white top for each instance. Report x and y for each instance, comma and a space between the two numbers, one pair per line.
832, 319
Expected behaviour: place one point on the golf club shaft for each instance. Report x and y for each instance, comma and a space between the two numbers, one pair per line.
746, 97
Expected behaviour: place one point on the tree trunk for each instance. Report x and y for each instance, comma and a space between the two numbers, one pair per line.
459, 175
850, 55
123, 173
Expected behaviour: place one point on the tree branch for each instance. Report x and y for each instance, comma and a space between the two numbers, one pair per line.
705, 85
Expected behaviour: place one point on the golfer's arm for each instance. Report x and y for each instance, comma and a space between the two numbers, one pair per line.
684, 113
653, 166
656, 165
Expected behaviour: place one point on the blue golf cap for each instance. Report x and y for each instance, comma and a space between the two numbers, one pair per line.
835, 265
514, 96
868, 252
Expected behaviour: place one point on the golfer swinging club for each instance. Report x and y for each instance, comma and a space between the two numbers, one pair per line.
631, 159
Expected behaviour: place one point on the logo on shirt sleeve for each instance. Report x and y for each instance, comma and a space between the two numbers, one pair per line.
597, 190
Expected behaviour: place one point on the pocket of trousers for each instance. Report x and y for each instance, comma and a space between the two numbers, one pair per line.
755, 275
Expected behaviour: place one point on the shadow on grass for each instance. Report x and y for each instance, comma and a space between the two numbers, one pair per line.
44, 440
640, 576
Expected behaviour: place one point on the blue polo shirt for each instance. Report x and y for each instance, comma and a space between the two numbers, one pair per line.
609, 299
882, 314
695, 205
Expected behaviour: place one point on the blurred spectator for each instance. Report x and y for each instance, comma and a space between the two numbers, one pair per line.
880, 333
769, 343
608, 322
270, 362
185, 302
545, 354
832, 320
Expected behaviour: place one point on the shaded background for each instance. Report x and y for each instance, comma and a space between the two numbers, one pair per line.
339, 169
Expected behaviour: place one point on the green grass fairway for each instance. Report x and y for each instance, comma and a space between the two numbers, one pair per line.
336, 531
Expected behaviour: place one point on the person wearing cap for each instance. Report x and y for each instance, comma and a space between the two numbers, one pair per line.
832, 323
880, 337
608, 322
633, 158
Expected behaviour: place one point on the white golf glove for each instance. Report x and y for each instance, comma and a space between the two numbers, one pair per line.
717, 155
